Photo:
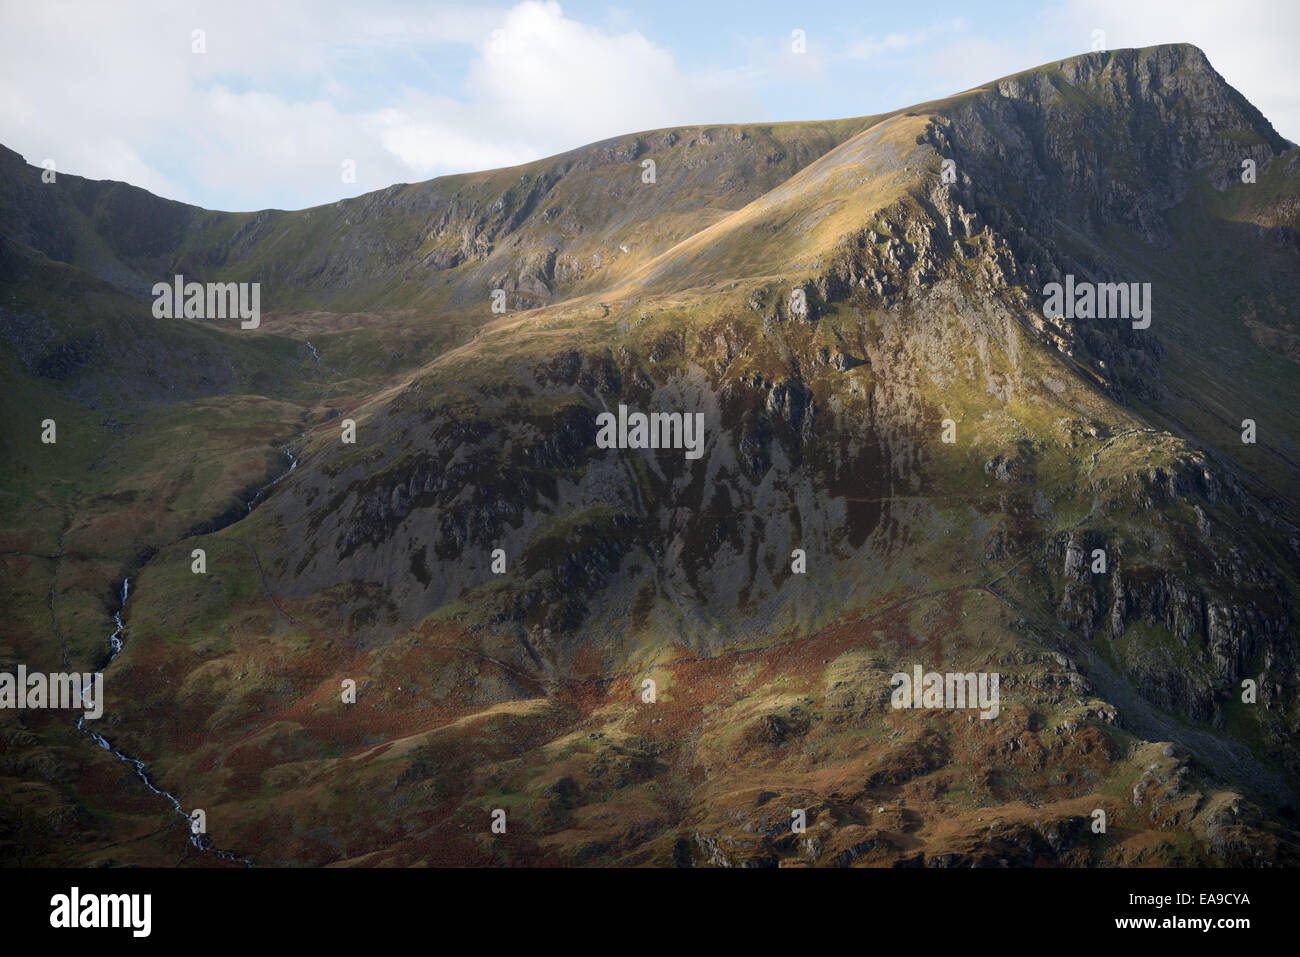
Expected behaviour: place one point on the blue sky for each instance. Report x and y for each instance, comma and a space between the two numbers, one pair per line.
285, 92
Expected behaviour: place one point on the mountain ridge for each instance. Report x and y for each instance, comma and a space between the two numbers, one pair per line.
921, 306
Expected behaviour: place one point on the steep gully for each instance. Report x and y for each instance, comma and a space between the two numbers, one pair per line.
115, 640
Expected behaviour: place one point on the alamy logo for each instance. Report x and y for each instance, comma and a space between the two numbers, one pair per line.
1105, 300
658, 430
103, 910
57, 690
930, 689
214, 300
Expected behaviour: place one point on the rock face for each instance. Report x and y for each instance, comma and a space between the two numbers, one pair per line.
1205, 627
1165, 110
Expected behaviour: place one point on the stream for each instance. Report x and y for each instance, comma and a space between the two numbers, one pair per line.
200, 841
293, 464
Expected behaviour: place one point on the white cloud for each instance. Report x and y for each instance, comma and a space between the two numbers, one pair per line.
870, 47
554, 79
285, 92
428, 140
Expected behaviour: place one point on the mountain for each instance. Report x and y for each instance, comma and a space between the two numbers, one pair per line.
908, 459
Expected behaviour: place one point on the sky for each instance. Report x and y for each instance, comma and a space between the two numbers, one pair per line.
289, 103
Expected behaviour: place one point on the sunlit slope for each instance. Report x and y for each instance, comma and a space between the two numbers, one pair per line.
791, 229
